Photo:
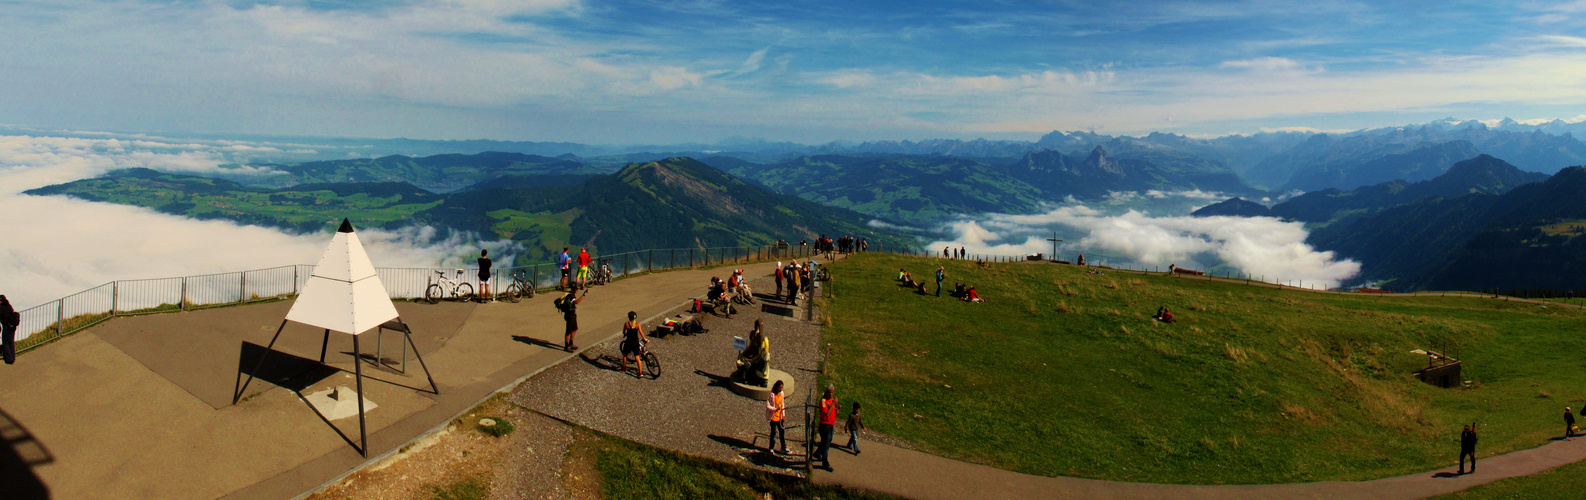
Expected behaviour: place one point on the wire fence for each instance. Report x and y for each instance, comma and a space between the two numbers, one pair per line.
52, 320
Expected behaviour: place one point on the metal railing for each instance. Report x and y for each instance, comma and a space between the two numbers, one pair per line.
52, 320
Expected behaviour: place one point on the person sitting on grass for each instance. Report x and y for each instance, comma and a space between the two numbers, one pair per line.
959, 291
633, 342
902, 275
1163, 315
971, 295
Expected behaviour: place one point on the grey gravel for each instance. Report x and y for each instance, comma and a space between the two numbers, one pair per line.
538, 448
688, 409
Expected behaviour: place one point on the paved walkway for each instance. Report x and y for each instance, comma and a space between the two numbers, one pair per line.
912, 474
139, 407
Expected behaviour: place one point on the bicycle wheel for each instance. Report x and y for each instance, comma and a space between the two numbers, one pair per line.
513, 293
433, 294
823, 275
465, 291
528, 289
652, 365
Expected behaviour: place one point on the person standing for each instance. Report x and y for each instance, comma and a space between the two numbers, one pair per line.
853, 425
962, 253
940, 275
793, 284
484, 275
776, 413
9, 319
1467, 446
944, 253
562, 259
633, 342
570, 314
828, 424
1569, 423
778, 273
583, 267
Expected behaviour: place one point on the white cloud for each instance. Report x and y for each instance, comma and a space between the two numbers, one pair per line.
752, 64
673, 78
54, 246
1264, 64
1260, 246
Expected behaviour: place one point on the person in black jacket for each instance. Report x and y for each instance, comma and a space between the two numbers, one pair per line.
1467, 446
8, 331
1569, 423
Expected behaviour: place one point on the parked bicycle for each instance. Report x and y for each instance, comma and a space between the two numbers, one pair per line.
823, 274
446, 288
601, 274
522, 287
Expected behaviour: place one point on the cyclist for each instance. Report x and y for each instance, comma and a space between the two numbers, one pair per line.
583, 267
633, 343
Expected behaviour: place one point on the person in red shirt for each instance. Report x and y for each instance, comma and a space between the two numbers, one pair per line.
583, 266
828, 424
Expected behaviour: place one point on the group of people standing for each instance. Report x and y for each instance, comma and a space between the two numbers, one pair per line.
950, 253
796, 276
776, 414
566, 262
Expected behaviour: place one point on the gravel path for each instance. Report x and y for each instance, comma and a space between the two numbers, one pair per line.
689, 408
534, 460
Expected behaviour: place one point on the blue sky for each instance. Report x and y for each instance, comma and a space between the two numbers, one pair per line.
670, 71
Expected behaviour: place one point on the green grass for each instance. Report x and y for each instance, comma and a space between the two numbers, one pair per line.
500, 426
474, 488
1065, 373
630, 470
1566, 482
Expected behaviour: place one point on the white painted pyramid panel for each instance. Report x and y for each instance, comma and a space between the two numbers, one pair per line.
345, 259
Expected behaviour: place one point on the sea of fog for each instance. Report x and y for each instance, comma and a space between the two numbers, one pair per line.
53, 246
1153, 230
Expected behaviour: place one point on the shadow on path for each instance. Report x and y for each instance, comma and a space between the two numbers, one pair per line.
715, 380
758, 455
18, 458
538, 342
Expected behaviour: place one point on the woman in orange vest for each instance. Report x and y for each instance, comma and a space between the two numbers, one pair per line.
776, 412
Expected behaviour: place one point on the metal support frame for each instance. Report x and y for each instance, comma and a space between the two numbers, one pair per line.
363, 432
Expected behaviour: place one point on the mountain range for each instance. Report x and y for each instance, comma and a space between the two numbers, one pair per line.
672, 203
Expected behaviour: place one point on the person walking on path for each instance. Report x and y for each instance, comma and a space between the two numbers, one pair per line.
9, 319
940, 275
569, 305
776, 413
1467, 446
853, 425
562, 259
778, 273
633, 342
583, 267
828, 424
484, 275
1569, 423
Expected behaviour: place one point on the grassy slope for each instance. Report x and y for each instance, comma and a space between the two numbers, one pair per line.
1253, 385
632, 470
1565, 482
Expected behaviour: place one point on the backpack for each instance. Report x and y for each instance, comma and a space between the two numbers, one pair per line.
561, 302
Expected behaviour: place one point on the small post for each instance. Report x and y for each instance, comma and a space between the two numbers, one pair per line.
182, 303
60, 316
242, 287
115, 290
357, 366
624, 264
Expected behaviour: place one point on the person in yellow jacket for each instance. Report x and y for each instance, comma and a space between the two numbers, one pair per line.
776, 413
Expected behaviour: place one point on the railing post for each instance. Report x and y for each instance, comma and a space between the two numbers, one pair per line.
625, 264
294, 279
115, 290
242, 287
650, 265
60, 316
182, 301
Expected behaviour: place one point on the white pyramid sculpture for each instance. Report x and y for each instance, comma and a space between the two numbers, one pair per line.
344, 294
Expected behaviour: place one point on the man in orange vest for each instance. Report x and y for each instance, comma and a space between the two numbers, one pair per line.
828, 425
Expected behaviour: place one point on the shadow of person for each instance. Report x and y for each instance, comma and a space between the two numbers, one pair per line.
537, 342
21, 454
1445, 475
758, 455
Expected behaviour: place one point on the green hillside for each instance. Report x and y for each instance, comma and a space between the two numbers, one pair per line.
674, 203
444, 172
1062, 372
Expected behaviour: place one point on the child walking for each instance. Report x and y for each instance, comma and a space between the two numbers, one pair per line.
853, 425
776, 413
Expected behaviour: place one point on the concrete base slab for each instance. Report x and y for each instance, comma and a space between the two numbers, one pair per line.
338, 403
762, 392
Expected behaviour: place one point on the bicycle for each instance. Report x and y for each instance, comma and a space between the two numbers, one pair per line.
601, 274
823, 274
652, 365
437, 290
521, 287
